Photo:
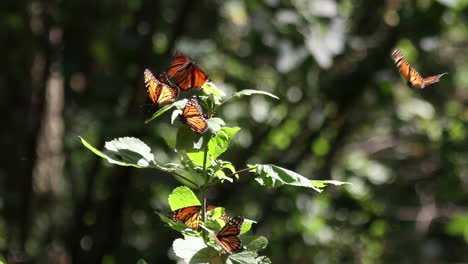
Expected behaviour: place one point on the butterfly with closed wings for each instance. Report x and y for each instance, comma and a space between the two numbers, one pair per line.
413, 77
228, 236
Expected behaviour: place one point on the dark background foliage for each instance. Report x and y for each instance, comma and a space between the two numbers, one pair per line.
75, 67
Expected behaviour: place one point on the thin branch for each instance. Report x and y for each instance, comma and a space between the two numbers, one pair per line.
240, 171
183, 177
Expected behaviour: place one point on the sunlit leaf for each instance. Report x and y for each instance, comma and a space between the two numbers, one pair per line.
215, 124
248, 92
458, 225
273, 176
126, 152
194, 250
321, 184
191, 145
210, 88
220, 142
254, 243
247, 225
182, 197
243, 257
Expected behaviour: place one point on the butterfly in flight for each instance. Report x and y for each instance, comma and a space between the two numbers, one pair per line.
185, 74
192, 115
191, 216
160, 90
414, 79
228, 236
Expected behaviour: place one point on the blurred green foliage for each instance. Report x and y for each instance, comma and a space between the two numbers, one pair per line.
74, 68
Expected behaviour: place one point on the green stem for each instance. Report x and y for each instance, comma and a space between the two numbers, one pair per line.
183, 177
225, 101
232, 174
239, 171
203, 190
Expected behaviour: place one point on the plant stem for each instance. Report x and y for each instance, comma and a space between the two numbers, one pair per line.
218, 106
232, 174
240, 171
203, 190
183, 177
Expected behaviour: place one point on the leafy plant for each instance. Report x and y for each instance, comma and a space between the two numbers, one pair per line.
199, 169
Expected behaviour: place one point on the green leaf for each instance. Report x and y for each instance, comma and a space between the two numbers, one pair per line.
194, 250
222, 176
246, 226
251, 92
243, 257
220, 142
141, 261
273, 176
215, 124
218, 212
210, 88
254, 243
321, 184
182, 197
191, 145
126, 151
458, 225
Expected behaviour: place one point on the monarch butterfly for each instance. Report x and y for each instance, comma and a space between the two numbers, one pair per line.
192, 115
228, 238
191, 217
414, 79
185, 74
160, 91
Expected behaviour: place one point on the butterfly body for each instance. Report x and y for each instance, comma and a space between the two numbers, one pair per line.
228, 236
193, 116
160, 91
185, 74
415, 80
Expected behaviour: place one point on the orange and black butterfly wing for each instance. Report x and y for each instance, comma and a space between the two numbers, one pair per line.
160, 91
432, 79
185, 74
228, 238
169, 93
152, 86
190, 216
198, 77
411, 75
192, 115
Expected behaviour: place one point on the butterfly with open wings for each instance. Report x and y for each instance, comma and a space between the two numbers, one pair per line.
185, 74
193, 116
161, 92
413, 77
191, 216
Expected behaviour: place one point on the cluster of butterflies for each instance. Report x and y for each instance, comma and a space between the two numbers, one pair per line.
182, 75
413, 77
227, 237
